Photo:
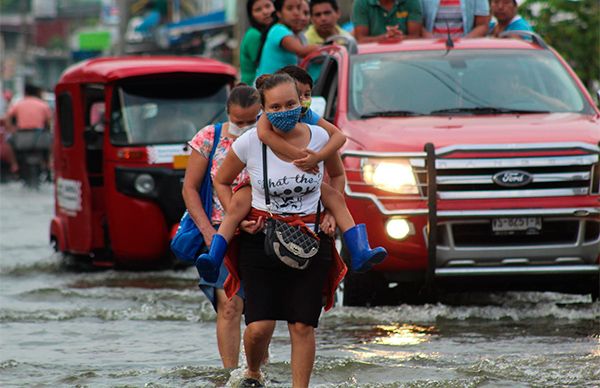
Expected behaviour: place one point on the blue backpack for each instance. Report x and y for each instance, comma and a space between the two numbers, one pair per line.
188, 242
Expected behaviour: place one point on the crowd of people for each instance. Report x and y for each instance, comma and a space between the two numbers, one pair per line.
282, 32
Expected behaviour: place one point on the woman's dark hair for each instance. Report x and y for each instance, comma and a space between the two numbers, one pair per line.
243, 96
264, 30
297, 73
269, 81
333, 3
278, 5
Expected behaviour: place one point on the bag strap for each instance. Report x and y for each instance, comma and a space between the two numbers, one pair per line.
216, 138
265, 177
205, 190
268, 196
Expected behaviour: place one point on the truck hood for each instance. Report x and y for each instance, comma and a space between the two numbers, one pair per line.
411, 134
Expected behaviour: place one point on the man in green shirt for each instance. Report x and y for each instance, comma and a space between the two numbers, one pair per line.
375, 20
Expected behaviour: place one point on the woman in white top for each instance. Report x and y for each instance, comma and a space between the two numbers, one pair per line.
273, 291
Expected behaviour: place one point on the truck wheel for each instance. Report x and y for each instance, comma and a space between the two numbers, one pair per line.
365, 289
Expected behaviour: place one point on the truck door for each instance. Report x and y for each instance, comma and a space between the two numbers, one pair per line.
73, 199
94, 133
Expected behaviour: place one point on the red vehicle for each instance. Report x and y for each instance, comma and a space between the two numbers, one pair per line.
120, 153
476, 166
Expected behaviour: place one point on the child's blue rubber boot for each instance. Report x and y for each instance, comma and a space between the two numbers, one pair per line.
363, 257
209, 264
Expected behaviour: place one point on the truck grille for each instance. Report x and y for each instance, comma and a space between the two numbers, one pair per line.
512, 177
478, 233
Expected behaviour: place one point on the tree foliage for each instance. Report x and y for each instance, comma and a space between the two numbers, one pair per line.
572, 27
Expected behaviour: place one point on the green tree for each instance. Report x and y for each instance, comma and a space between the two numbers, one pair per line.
572, 27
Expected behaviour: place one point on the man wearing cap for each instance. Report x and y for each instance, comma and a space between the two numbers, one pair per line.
375, 20
506, 18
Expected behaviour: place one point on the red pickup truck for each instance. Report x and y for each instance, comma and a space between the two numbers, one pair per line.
475, 164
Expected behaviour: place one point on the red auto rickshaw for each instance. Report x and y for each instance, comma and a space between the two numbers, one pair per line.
120, 153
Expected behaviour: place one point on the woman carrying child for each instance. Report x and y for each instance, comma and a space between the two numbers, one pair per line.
243, 106
272, 290
355, 236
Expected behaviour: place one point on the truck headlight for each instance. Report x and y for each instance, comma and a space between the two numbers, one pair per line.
399, 228
395, 176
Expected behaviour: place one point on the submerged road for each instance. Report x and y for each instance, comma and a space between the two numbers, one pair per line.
59, 327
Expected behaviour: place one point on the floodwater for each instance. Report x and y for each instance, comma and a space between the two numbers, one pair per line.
155, 329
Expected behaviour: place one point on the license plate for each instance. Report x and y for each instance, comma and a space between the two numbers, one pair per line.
509, 225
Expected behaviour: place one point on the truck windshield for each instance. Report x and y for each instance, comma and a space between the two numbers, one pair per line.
469, 82
165, 111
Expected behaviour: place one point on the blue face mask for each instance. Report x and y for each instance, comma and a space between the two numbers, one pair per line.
286, 120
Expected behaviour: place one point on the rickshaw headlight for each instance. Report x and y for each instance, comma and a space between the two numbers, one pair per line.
144, 183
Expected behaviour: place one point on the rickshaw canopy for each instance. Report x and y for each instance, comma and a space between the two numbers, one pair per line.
109, 69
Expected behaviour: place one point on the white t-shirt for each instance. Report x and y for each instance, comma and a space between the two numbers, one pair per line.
292, 190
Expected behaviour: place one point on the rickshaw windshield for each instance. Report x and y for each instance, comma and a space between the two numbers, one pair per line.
164, 112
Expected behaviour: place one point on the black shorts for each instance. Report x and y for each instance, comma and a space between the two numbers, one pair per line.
276, 292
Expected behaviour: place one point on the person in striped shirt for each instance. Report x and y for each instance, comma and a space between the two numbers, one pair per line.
459, 18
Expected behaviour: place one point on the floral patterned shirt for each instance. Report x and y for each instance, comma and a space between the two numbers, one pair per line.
202, 142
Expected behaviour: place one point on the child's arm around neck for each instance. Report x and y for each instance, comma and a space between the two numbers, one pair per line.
303, 159
267, 135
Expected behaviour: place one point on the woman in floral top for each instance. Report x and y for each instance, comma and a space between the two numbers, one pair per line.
243, 106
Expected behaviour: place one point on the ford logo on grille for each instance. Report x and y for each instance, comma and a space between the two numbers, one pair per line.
512, 178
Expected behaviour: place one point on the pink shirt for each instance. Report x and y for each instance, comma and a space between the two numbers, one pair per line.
31, 113
202, 143
448, 19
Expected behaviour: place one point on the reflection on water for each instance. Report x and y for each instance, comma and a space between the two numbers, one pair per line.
402, 335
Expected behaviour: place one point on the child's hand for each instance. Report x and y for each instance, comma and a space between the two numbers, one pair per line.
328, 224
309, 162
252, 227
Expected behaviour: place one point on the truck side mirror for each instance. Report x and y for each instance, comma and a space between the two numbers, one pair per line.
318, 105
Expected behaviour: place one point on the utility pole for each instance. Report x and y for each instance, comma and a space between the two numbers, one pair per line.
21, 68
3, 105
239, 28
123, 21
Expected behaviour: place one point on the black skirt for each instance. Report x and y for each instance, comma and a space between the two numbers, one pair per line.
276, 292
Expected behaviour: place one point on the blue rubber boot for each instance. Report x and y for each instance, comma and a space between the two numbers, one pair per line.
209, 264
363, 257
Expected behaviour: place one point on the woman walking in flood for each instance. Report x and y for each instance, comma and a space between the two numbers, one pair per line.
273, 290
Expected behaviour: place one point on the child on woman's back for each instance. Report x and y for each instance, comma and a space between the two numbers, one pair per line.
355, 236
